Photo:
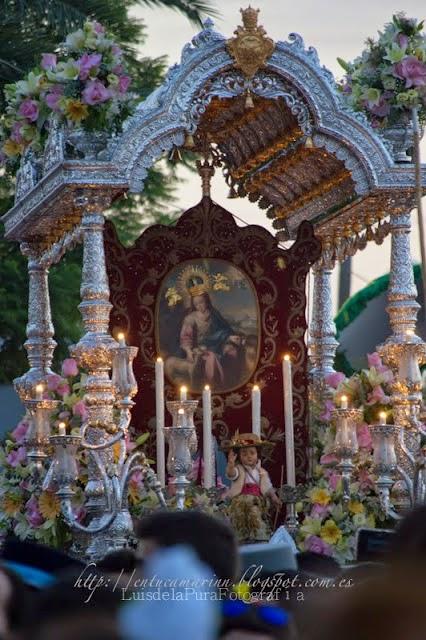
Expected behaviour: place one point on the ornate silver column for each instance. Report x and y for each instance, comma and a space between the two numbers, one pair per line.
40, 344
95, 352
322, 342
403, 351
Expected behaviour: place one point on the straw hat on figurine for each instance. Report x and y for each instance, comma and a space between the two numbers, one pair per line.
244, 440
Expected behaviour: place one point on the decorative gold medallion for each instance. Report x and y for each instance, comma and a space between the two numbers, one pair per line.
251, 47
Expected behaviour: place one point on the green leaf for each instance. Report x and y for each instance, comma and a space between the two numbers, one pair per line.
344, 65
142, 439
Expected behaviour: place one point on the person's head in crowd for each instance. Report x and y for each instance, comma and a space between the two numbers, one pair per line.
317, 564
120, 561
90, 624
390, 608
16, 601
178, 602
75, 595
212, 539
409, 540
247, 621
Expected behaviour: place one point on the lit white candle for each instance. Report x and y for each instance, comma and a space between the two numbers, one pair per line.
288, 417
255, 410
62, 429
207, 438
183, 393
344, 402
382, 417
39, 391
159, 421
121, 339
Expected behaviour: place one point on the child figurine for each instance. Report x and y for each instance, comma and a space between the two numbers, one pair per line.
250, 490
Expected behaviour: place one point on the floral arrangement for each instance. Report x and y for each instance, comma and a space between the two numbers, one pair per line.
31, 514
389, 78
86, 86
329, 527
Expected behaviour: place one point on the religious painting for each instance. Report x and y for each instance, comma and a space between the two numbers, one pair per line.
207, 320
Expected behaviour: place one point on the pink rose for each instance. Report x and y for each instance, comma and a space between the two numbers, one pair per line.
412, 71
116, 51
328, 458
319, 511
64, 415
364, 436
87, 62
95, 93
334, 480
52, 98
32, 512
80, 409
20, 431
328, 408
402, 40
136, 481
123, 83
374, 360
48, 61
365, 480
377, 396
98, 28
317, 545
69, 368
17, 456
381, 109
63, 389
16, 133
29, 110
334, 379
53, 380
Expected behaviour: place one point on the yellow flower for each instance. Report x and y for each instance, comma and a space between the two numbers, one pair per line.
330, 532
11, 148
76, 110
49, 505
320, 496
242, 590
371, 521
116, 448
189, 503
12, 504
356, 507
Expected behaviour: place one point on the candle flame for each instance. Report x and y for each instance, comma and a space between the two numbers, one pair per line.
159, 359
39, 388
207, 387
181, 411
120, 336
287, 357
184, 389
256, 387
382, 416
343, 398
62, 425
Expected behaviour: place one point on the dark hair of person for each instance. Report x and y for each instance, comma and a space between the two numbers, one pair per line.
409, 541
212, 540
122, 560
317, 564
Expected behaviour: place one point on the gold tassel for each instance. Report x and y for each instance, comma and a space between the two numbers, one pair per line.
189, 141
249, 101
309, 143
232, 193
175, 155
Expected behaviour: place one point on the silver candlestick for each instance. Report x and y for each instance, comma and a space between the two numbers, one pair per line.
346, 444
182, 440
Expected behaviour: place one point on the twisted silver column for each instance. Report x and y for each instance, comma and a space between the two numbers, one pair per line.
40, 344
322, 342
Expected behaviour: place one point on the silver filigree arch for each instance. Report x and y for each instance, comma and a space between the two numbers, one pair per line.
292, 72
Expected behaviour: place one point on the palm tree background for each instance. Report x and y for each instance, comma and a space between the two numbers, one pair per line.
29, 28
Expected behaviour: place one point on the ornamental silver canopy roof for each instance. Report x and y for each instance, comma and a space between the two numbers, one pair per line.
301, 152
